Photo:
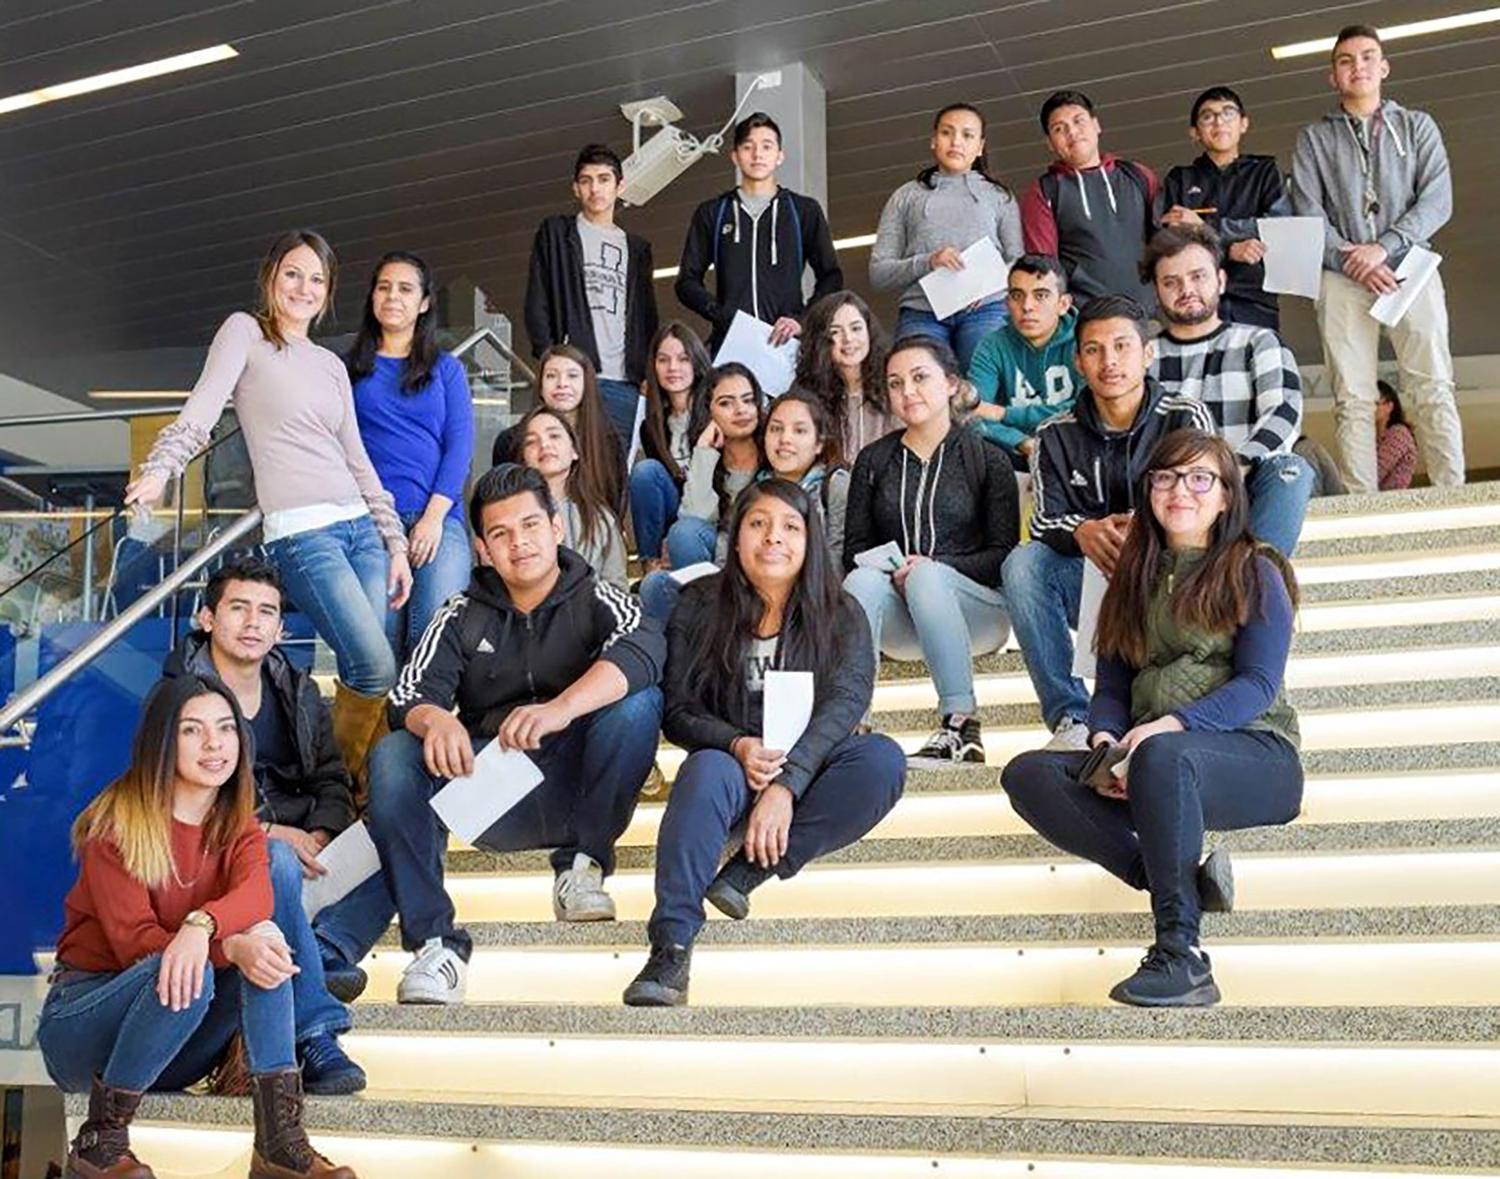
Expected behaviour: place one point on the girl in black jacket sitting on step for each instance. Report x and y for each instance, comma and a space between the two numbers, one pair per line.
777, 606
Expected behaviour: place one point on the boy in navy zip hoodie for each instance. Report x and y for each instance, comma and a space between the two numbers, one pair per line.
1084, 470
758, 237
1229, 192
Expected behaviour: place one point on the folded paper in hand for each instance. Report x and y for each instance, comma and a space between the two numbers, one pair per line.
691, 573
1414, 273
788, 706
887, 558
749, 342
983, 275
350, 860
471, 805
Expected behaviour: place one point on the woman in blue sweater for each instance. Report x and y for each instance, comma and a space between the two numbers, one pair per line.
1193, 638
417, 422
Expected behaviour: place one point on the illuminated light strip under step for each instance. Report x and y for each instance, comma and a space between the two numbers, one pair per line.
1399, 523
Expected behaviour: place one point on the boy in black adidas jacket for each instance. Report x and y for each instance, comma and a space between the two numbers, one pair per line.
542, 656
758, 237
1084, 471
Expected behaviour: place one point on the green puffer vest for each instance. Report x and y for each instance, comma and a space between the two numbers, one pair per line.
1184, 665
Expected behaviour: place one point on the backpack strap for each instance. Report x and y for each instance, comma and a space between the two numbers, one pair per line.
719, 211
791, 202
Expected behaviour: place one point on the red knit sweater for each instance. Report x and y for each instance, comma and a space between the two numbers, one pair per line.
113, 920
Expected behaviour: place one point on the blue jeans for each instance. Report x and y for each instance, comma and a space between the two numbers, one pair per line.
114, 1027
337, 577
594, 770
962, 331
315, 1012
856, 788
691, 540
432, 584
620, 400
1279, 488
921, 624
348, 929
654, 497
1042, 590
1179, 785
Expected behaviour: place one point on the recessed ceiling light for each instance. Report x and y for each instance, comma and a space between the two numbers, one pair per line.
1440, 24
138, 73
843, 243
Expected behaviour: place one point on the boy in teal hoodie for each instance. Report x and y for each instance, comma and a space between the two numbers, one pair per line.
1026, 371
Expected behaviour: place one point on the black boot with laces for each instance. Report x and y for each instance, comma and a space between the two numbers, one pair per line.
663, 981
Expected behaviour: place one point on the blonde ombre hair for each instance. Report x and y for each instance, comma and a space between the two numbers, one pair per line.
270, 268
134, 812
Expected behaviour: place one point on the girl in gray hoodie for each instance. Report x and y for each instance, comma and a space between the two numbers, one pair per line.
930, 221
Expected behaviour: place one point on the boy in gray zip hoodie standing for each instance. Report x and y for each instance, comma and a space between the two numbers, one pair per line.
1379, 175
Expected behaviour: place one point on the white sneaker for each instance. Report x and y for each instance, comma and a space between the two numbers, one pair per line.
1070, 736
578, 893
437, 975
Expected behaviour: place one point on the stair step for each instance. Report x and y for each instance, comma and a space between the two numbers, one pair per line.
1318, 557
1098, 1131
1377, 516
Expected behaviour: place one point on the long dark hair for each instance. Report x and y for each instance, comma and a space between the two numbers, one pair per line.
134, 812
715, 378
265, 302
655, 440
1388, 393
927, 177
597, 448
809, 623
360, 359
830, 445
1221, 592
817, 373
586, 489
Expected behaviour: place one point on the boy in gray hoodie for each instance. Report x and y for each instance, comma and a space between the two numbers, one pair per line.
1378, 173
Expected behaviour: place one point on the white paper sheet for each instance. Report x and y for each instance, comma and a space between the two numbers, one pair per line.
469, 806
788, 701
1415, 272
691, 573
1294, 254
984, 274
749, 342
1094, 585
887, 557
351, 859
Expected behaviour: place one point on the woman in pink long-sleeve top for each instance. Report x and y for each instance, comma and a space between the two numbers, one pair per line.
1395, 448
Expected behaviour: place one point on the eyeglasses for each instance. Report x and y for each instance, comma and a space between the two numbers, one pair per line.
1199, 481
1225, 114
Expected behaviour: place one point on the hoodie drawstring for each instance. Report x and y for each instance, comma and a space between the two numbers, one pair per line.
1109, 188
913, 546
1083, 192
774, 205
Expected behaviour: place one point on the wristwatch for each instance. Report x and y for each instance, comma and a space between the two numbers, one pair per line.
203, 920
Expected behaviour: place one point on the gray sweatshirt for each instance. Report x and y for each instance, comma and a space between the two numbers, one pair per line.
918, 221
606, 556
1399, 192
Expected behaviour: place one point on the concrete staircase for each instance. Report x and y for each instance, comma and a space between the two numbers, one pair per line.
932, 1000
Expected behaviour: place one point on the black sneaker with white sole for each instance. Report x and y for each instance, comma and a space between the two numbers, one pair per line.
1170, 976
731, 889
663, 981
957, 742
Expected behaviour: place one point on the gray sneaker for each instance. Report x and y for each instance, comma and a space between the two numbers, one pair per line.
578, 892
1070, 736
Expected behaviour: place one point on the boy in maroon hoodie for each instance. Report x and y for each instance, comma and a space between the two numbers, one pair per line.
1091, 211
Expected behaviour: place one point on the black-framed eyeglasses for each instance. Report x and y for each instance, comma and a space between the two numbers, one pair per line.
1225, 114
1198, 481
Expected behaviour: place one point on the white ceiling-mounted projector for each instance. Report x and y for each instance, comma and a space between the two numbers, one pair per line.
670, 152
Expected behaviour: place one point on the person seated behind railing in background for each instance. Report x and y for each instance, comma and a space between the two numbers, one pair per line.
945, 500
1193, 638
776, 606
1084, 471
330, 527
1395, 445
590, 527
168, 948
303, 800
416, 418
542, 656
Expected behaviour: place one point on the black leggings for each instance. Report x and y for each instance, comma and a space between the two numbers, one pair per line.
1179, 785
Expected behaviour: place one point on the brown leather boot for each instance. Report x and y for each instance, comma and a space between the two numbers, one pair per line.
102, 1148
282, 1150
358, 723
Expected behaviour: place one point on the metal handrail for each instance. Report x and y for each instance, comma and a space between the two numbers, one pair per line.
498, 341
28, 699
88, 415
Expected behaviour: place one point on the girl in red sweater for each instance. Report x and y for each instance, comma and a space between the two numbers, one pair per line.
168, 948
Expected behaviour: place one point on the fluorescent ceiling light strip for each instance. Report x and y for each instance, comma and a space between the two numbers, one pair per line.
858, 242
136, 73
1440, 24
